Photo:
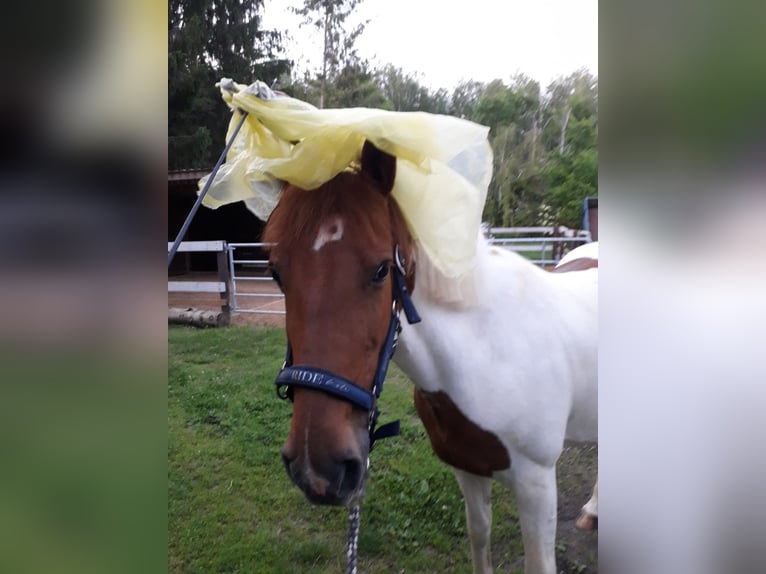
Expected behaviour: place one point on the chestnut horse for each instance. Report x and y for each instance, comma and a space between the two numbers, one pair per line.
503, 362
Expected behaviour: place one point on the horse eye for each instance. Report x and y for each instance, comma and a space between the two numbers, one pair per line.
381, 273
275, 276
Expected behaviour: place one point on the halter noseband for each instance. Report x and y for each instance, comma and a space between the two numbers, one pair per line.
328, 382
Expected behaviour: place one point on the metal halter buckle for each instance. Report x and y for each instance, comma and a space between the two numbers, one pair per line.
399, 261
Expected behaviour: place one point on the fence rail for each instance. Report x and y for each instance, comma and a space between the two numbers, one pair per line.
196, 287
239, 280
221, 286
257, 265
549, 242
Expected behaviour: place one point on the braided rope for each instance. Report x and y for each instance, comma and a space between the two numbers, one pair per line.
354, 523
354, 520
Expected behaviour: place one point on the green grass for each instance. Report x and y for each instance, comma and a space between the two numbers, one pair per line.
232, 508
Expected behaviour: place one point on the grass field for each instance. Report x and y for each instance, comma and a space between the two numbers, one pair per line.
232, 508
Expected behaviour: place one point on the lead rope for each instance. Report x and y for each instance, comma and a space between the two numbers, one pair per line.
354, 524
354, 520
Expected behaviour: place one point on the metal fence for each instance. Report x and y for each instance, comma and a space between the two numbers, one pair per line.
250, 279
545, 248
251, 272
223, 264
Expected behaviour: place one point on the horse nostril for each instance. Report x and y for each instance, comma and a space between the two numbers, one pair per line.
287, 461
352, 475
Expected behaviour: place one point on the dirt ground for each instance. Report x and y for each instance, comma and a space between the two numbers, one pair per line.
576, 551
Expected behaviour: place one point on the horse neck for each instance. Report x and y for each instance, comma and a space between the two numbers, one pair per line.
458, 292
476, 286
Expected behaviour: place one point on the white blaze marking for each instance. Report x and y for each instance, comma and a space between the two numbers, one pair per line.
330, 231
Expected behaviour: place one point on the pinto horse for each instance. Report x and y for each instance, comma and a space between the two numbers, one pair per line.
503, 362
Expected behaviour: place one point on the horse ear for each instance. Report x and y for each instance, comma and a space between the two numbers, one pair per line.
379, 166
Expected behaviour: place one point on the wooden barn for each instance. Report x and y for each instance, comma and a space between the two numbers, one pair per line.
232, 223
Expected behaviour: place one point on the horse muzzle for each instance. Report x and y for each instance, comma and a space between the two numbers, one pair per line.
336, 482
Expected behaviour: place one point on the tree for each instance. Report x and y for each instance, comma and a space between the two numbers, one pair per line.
513, 114
331, 17
569, 180
401, 89
406, 94
209, 39
501, 105
571, 99
544, 149
571, 171
464, 98
356, 85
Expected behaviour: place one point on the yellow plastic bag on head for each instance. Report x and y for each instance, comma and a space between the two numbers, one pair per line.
444, 164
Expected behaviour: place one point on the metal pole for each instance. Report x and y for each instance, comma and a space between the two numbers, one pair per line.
233, 279
187, 223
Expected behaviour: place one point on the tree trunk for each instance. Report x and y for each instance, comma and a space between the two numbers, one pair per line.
325, 54
564, 123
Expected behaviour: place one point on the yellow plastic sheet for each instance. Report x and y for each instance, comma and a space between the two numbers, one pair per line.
444, 164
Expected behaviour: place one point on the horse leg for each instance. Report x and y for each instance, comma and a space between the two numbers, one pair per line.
589, 514
535, 489
477, 491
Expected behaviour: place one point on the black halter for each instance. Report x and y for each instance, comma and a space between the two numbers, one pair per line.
322, 380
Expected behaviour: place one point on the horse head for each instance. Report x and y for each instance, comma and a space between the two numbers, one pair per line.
334, 257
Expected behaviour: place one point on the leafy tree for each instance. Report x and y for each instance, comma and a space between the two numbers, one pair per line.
435, 102
406, 93
570, 179
513, 113
402, 90
580, 134
544, 148
338, 52
356, 85
517, 103
493, 108
209, 39
464, 98
574, 97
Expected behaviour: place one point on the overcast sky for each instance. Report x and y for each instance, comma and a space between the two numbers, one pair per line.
448, 41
